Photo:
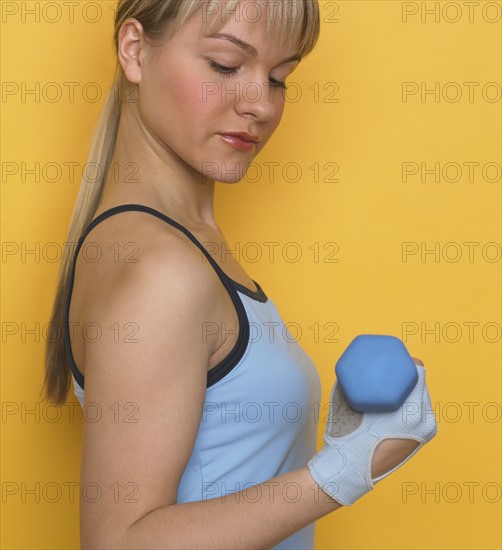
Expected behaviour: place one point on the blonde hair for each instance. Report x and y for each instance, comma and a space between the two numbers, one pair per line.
298, 25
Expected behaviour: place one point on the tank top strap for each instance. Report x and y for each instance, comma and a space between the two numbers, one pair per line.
143, 208
225, 365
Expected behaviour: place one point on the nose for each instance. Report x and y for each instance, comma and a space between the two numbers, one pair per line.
259, 99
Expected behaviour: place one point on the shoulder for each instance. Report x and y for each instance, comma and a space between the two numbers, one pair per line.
125, 236
134, 258
137, 242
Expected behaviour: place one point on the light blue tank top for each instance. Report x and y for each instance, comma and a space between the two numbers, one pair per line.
258, 418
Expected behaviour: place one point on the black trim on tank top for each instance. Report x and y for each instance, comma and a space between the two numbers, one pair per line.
217, 372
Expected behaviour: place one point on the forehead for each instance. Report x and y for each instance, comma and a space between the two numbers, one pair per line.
253, 13
257, 22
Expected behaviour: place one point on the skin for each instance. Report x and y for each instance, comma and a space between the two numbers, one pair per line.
172, 135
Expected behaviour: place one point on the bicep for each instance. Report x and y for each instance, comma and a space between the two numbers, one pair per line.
145, 381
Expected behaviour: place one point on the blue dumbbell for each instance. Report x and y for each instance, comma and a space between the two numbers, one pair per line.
376, 373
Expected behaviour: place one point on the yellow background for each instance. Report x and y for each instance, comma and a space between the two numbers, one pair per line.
369, 52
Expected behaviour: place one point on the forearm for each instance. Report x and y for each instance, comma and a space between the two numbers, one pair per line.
257, 517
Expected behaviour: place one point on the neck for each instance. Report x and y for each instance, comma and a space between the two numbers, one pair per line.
144, 170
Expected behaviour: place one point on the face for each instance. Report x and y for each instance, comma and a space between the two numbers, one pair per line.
197, 92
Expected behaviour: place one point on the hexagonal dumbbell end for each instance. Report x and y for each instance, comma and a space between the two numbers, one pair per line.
376, 373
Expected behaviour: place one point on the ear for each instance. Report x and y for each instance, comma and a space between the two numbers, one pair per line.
130, 44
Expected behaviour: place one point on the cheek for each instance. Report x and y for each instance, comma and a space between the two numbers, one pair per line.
174, 99
185, 93
193, 98
279, 104
275, 119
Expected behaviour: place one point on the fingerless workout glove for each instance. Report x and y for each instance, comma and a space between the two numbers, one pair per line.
342, 468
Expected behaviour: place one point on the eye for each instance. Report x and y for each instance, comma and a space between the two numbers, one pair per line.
225, 71
278, 84
228, 71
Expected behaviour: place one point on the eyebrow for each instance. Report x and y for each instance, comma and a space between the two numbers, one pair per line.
251, 50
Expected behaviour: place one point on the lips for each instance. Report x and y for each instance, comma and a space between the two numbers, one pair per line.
243, 136
240, 140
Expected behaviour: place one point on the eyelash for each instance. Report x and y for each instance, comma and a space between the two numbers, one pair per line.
229, 71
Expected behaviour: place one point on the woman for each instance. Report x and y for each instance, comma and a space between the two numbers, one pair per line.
203, 434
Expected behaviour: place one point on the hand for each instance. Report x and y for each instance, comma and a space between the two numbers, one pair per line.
343, 467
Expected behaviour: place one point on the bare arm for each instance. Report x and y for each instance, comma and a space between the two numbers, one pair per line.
258, 517
150, 394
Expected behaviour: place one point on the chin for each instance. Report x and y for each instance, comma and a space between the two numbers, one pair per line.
230, 179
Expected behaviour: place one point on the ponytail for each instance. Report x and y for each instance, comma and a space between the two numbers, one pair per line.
57, 367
